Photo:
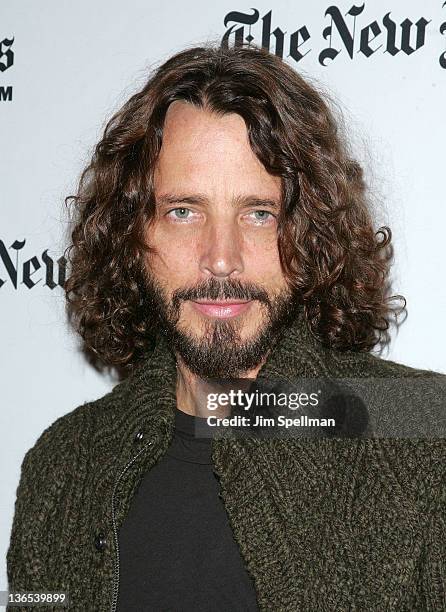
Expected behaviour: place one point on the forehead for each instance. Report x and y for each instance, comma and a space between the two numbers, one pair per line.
199, 145
185, 124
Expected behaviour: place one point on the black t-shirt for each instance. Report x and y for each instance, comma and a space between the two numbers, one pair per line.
177, 549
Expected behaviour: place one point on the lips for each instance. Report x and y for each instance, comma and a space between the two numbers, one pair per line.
221, 310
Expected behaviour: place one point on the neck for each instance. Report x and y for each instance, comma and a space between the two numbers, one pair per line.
192, 390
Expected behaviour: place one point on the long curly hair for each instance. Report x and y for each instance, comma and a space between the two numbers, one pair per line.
329, 250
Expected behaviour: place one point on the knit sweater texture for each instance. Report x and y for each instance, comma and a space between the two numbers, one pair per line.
323, 524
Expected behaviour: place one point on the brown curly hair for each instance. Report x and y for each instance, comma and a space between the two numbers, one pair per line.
329, 250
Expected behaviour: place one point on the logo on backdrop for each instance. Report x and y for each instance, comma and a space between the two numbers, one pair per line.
345, 34
16, 272
6, 62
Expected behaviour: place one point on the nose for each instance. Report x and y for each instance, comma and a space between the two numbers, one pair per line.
221, 250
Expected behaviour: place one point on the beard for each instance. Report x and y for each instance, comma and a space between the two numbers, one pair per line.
220, 352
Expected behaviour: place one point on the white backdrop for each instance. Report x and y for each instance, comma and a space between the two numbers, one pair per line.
71, 64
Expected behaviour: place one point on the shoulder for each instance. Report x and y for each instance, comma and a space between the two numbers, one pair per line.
60, 431
64, 444
391, 382
371, 364
59, 437
50, 463
77, 427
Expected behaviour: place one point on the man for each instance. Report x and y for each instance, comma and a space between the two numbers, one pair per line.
222, 232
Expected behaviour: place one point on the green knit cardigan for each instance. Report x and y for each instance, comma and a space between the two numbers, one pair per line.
323, 524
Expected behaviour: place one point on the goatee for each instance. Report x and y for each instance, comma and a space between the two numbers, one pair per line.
220, 352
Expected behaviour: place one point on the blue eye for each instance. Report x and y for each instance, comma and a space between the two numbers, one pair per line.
262, 215
182, 213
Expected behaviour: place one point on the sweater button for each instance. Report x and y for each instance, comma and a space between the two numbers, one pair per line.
100, 542
139, 436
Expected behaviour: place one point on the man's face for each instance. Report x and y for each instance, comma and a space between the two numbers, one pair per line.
215, 277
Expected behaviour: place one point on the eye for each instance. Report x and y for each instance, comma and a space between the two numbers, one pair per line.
262, 217
179, 213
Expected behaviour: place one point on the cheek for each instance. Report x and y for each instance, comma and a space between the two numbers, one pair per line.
262, 259
175, 259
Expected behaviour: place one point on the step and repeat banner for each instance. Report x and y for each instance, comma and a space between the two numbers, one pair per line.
65, 67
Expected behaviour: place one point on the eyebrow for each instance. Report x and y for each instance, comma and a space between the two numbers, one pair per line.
198, 198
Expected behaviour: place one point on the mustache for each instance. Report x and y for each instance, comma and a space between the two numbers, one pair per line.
213, 289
